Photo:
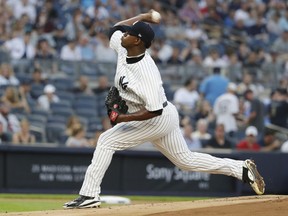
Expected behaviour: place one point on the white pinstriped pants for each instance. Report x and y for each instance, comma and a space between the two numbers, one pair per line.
164, 132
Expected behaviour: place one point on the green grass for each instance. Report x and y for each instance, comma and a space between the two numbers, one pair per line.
41, 202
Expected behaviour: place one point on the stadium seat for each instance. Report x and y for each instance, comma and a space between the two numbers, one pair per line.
36, 90
90, 69
38, 132
95, 124
62, 83
37, 119
85, 101
54, 132
36, 110
62, 104
69, 68
67, 96
86, 113
57, 119
64, 112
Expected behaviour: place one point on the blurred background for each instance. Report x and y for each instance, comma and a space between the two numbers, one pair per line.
224, 64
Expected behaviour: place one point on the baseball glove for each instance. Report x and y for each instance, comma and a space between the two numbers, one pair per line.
115, 104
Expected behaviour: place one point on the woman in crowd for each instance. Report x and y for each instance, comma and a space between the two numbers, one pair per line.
24, 136
11, 97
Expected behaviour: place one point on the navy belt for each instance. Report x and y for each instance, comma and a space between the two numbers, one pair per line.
165, 104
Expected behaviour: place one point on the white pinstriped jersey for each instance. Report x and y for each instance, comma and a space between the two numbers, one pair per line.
139, 83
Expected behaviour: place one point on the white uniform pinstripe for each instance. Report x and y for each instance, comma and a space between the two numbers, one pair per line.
144, 88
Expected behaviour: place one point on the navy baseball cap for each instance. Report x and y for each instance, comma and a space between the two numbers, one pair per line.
143, 31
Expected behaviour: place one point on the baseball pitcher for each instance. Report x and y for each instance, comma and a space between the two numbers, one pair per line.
138, 109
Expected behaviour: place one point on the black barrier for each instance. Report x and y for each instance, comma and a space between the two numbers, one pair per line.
159, 175
2, 171
61, 170
56, 171
273, 168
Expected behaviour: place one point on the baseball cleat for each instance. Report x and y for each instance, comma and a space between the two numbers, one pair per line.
253, 177
83, 202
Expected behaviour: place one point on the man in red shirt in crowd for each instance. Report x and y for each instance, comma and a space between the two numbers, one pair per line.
250, 141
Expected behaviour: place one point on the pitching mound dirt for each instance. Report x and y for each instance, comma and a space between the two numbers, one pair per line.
268, 205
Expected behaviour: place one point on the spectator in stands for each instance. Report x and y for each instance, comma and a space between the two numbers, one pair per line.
106, 124
103, 85
190, 11
213, 86
193, 143
48, 97
77, 138
7, 75
238, 33
161, 51
87, 23
213, 24
24, 7
59, 37
174, 30
226, 109
45, 54
71, 51
269, 142
195, 65
175, 57
8, 120
229, 21
25, 91
20, 47
73, 121
24, 136
253, 65
213, 60
103, 52
3, 34
83, 86
204, 111
86, 50
256, 112
201, 132
283, 83
281, 45
186, 97
98, 11
283, 23
258, 32
4, 136
273, 24
74, 25
250, 141
284, 147
278, 108
272, 69
37, 83
248, 83
192, 48
38, 78
219, 140
194, 32
44, 51
243, 51
234, 69
12, 98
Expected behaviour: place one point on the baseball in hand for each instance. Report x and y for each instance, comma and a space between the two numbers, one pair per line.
155, 16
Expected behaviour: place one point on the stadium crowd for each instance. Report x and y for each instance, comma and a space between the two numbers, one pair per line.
235, 54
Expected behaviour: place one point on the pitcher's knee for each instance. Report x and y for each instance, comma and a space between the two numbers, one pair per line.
102, 140
184, 165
